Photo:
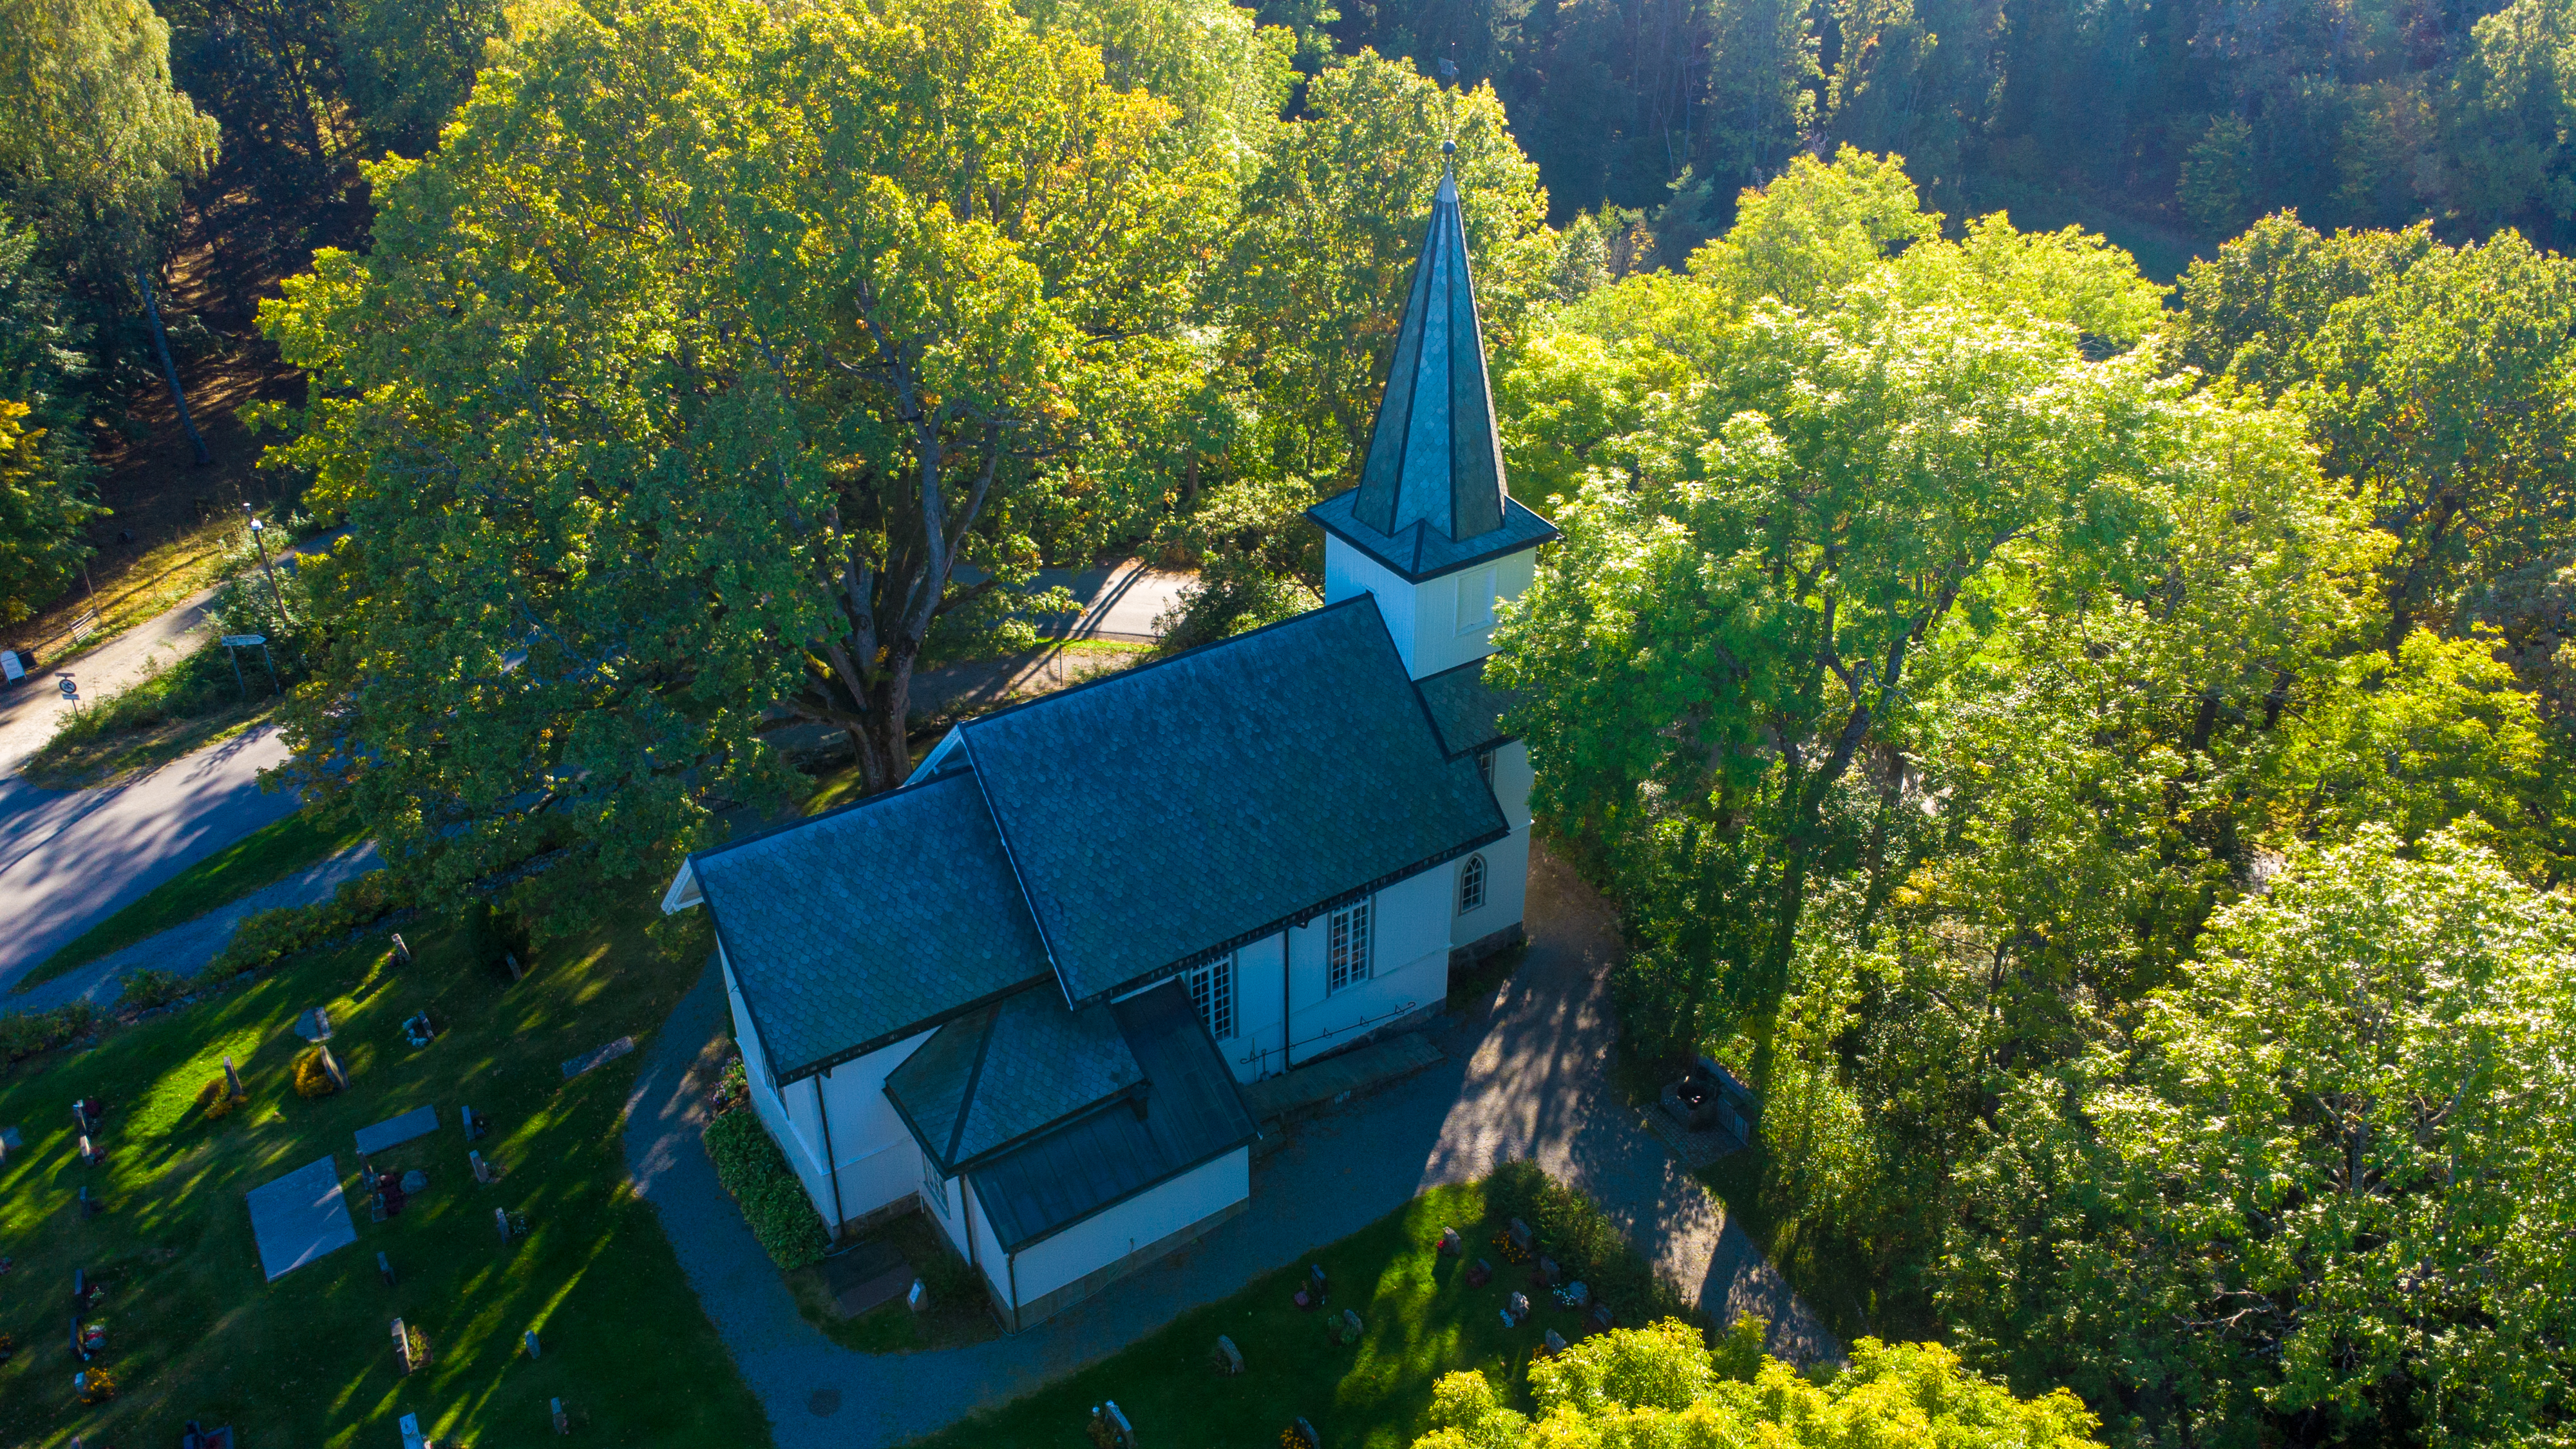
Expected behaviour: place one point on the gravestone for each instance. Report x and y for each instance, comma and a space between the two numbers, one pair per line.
89, 1155
1555, 1342
1350, 1323
1521, 1236
1577, 1293
314, 1025
402, 949
232, 1078
412, 1438
415, 1181
501, 1222
1319, 1285
1450, 1244
385, 1269
394, 1131
1519, 1308
1307, 1432
90, 1207
1548, 1272
604, 1055
530, 1338
402, 1345
482, 1170
331, 1069
563, 1421
518, 973
1480, 1273
1229, 1359
1602, 1317
917, 1297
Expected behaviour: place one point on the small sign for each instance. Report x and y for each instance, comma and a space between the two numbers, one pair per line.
10, 666
244, 641
65, 684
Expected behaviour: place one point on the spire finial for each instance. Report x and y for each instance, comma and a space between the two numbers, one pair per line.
1448, 148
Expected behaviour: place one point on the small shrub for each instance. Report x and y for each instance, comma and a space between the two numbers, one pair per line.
216, 1100
1584, 1243
753, 1169
310, 1079
23, 1034
152, 987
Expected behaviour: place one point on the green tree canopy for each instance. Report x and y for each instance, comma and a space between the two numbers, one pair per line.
2325, 1192
1660, 1385
683, 379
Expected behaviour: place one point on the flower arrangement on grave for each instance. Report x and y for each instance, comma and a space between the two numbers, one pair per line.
1299, 1435
310, 1079
216, 1100
96, 1387
1512, 1252
8, 1347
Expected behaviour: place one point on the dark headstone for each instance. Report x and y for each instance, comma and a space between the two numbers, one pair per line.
563, 1422
1548, 1273
1450, 1244
1577, 1293
1521, 1235
331, 1069
1351, 1323
530, 1339
415, 1181
1479, 1273
1307, 1432
232, 1078
1229, 1359
1519, 1308
402, 950
385, 1269
1602, 1317
1555, 1342
402, 1346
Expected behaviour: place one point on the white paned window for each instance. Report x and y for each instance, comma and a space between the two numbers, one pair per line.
1471, 884
1212, 992
1346, 947
1476, 600
933, 1186
1485, 766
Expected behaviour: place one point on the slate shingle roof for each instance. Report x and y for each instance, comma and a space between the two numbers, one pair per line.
852, 930
1029, 1062
1215, 797
1417, 552
1192, 1112
1433, 455
1466, 710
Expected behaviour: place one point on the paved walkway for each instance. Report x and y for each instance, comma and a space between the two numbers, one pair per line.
1526, 1077
188, 948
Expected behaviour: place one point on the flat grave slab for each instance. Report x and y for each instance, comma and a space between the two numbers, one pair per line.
9, 1139
299, 1217
314, 1025
599, 1058
418, 1122
866, 1276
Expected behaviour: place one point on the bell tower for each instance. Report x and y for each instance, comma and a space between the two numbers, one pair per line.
1431, 530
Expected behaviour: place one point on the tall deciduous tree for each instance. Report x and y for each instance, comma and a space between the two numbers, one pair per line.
683, 380
2324, 1194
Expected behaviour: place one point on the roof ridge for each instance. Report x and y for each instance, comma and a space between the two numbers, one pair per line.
974, 1078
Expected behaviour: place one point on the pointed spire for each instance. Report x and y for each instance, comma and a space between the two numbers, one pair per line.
1433, 456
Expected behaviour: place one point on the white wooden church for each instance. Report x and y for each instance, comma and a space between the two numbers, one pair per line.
1020, 991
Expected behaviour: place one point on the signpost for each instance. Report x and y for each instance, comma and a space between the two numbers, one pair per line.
250, 641
71, 691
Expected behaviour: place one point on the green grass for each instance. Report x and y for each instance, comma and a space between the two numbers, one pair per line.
194, 1332
262, 858
1420, 1319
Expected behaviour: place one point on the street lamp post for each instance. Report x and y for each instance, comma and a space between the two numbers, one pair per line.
259, 538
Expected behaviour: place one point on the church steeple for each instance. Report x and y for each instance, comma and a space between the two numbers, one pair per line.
1433, 456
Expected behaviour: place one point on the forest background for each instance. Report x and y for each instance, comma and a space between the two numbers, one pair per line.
2092, 753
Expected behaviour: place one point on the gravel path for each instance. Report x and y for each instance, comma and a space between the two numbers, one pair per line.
188, 947
1526, 1077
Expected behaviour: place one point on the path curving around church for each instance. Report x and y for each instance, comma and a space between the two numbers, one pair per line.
1527, 1076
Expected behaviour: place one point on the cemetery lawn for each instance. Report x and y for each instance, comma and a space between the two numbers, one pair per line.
1420, 1320
262, 858
193, 1330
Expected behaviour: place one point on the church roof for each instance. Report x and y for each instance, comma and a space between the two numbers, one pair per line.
1422, 552
1191, 1112
1433, 455
851, 930
1466, 710
1090, 840
1212, 799
992, 1077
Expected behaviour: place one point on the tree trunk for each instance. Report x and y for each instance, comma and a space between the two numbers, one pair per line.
169, 369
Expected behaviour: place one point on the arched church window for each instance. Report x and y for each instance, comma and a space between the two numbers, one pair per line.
1471, 884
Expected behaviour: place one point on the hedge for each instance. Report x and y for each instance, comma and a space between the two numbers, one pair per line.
1585, 1244
753, 1169
272, 935
25, 1033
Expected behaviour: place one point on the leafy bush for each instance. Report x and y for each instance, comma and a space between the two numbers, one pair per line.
310, 1079
753, 1169
1585, 1244
25, 1033
152, 987
215, 1100
272, 935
